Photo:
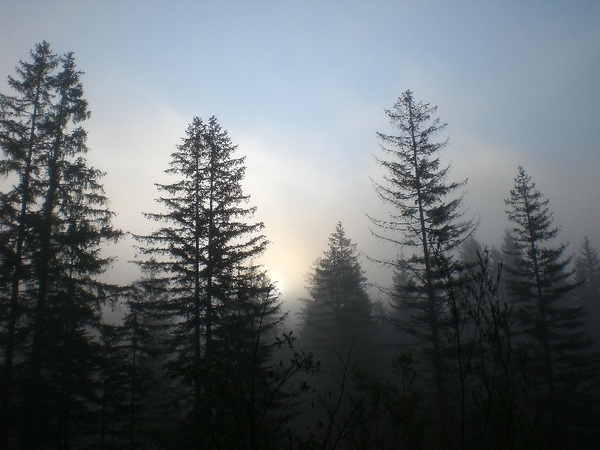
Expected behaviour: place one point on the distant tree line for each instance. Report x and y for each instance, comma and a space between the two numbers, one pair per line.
472, 347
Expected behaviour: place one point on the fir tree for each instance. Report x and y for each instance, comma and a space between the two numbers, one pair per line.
60, 222
538, 281
204, 255
426, 218
22, 117
338, 316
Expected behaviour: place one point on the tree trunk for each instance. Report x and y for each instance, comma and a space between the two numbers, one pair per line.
431, 300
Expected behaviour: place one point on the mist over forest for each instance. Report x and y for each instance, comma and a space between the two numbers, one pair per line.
468, 344
270, 225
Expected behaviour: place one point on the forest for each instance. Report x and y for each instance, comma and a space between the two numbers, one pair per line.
472, 346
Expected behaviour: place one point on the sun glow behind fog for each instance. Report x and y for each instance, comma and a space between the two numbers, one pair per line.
279, 278
301, 189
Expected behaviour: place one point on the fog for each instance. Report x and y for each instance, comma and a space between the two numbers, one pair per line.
302, 91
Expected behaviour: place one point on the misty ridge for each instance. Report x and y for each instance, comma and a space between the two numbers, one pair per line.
469, 346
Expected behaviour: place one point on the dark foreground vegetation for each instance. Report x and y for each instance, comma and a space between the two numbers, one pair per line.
471, 348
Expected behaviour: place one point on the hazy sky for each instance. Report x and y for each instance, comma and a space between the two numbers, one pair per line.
302, 86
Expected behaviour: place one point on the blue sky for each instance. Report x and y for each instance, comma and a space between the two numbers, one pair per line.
301, 87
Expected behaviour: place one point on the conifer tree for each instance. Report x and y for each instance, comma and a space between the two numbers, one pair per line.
426, 218
340, 328
59, 223
538, 282
72, 225
338, 316
204, 253
21, 137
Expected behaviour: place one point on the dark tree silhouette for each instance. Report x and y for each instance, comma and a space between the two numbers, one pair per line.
21, 137
61, 221
204, 254
338, 316
538, 281
113, 387
425, 218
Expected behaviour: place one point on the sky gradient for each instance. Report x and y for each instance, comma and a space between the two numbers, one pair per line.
301, 87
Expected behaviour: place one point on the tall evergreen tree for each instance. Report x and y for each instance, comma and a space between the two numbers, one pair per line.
72, 225
21, 137
428, 219
539, 282
60, 223
338, 316
204, 253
